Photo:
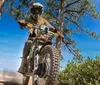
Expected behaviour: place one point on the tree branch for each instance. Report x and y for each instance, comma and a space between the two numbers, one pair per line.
77, 25
68, 5
69, 48
55, 17
76, 11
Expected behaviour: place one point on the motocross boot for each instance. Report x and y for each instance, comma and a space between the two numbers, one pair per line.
21, 69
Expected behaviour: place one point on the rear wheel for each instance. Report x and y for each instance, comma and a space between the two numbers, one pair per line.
49, 63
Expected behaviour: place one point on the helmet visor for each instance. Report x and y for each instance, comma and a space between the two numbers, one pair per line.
36, 10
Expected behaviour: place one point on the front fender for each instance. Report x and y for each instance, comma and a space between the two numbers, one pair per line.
46, 43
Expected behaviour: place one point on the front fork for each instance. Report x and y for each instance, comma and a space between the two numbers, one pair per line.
35, 76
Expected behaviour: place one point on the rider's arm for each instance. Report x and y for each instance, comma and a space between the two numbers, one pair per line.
48, 24
22, 24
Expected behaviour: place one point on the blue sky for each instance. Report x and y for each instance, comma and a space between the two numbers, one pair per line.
12, 41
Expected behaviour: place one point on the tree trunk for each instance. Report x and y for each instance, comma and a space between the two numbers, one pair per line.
59, 40
1, 6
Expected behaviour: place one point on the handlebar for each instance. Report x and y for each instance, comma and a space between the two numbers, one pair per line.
24, 23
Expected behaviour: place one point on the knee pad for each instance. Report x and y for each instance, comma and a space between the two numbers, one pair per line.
27, 48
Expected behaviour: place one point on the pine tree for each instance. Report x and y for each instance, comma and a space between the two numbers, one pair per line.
65, 15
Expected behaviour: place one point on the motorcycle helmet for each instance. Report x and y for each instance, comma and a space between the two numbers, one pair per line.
37, 8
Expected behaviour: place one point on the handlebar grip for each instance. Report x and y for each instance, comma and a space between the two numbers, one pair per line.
30, 25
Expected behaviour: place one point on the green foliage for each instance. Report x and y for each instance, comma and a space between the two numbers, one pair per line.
84, 73
19, 9
68, 15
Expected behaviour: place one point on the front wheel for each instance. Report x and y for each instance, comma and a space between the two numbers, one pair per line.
49, 63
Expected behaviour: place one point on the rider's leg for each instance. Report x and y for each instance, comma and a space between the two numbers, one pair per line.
26, 51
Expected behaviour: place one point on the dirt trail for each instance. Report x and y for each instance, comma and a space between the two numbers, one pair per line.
10, 78
13, 78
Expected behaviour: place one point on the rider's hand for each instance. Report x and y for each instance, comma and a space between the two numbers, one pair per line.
55, 30
62, 36
22, 23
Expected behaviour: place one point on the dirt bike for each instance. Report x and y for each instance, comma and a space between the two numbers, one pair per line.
43, 61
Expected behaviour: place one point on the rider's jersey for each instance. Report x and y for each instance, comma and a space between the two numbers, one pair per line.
39, 21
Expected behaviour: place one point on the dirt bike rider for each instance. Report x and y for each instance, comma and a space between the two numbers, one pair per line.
36, 19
